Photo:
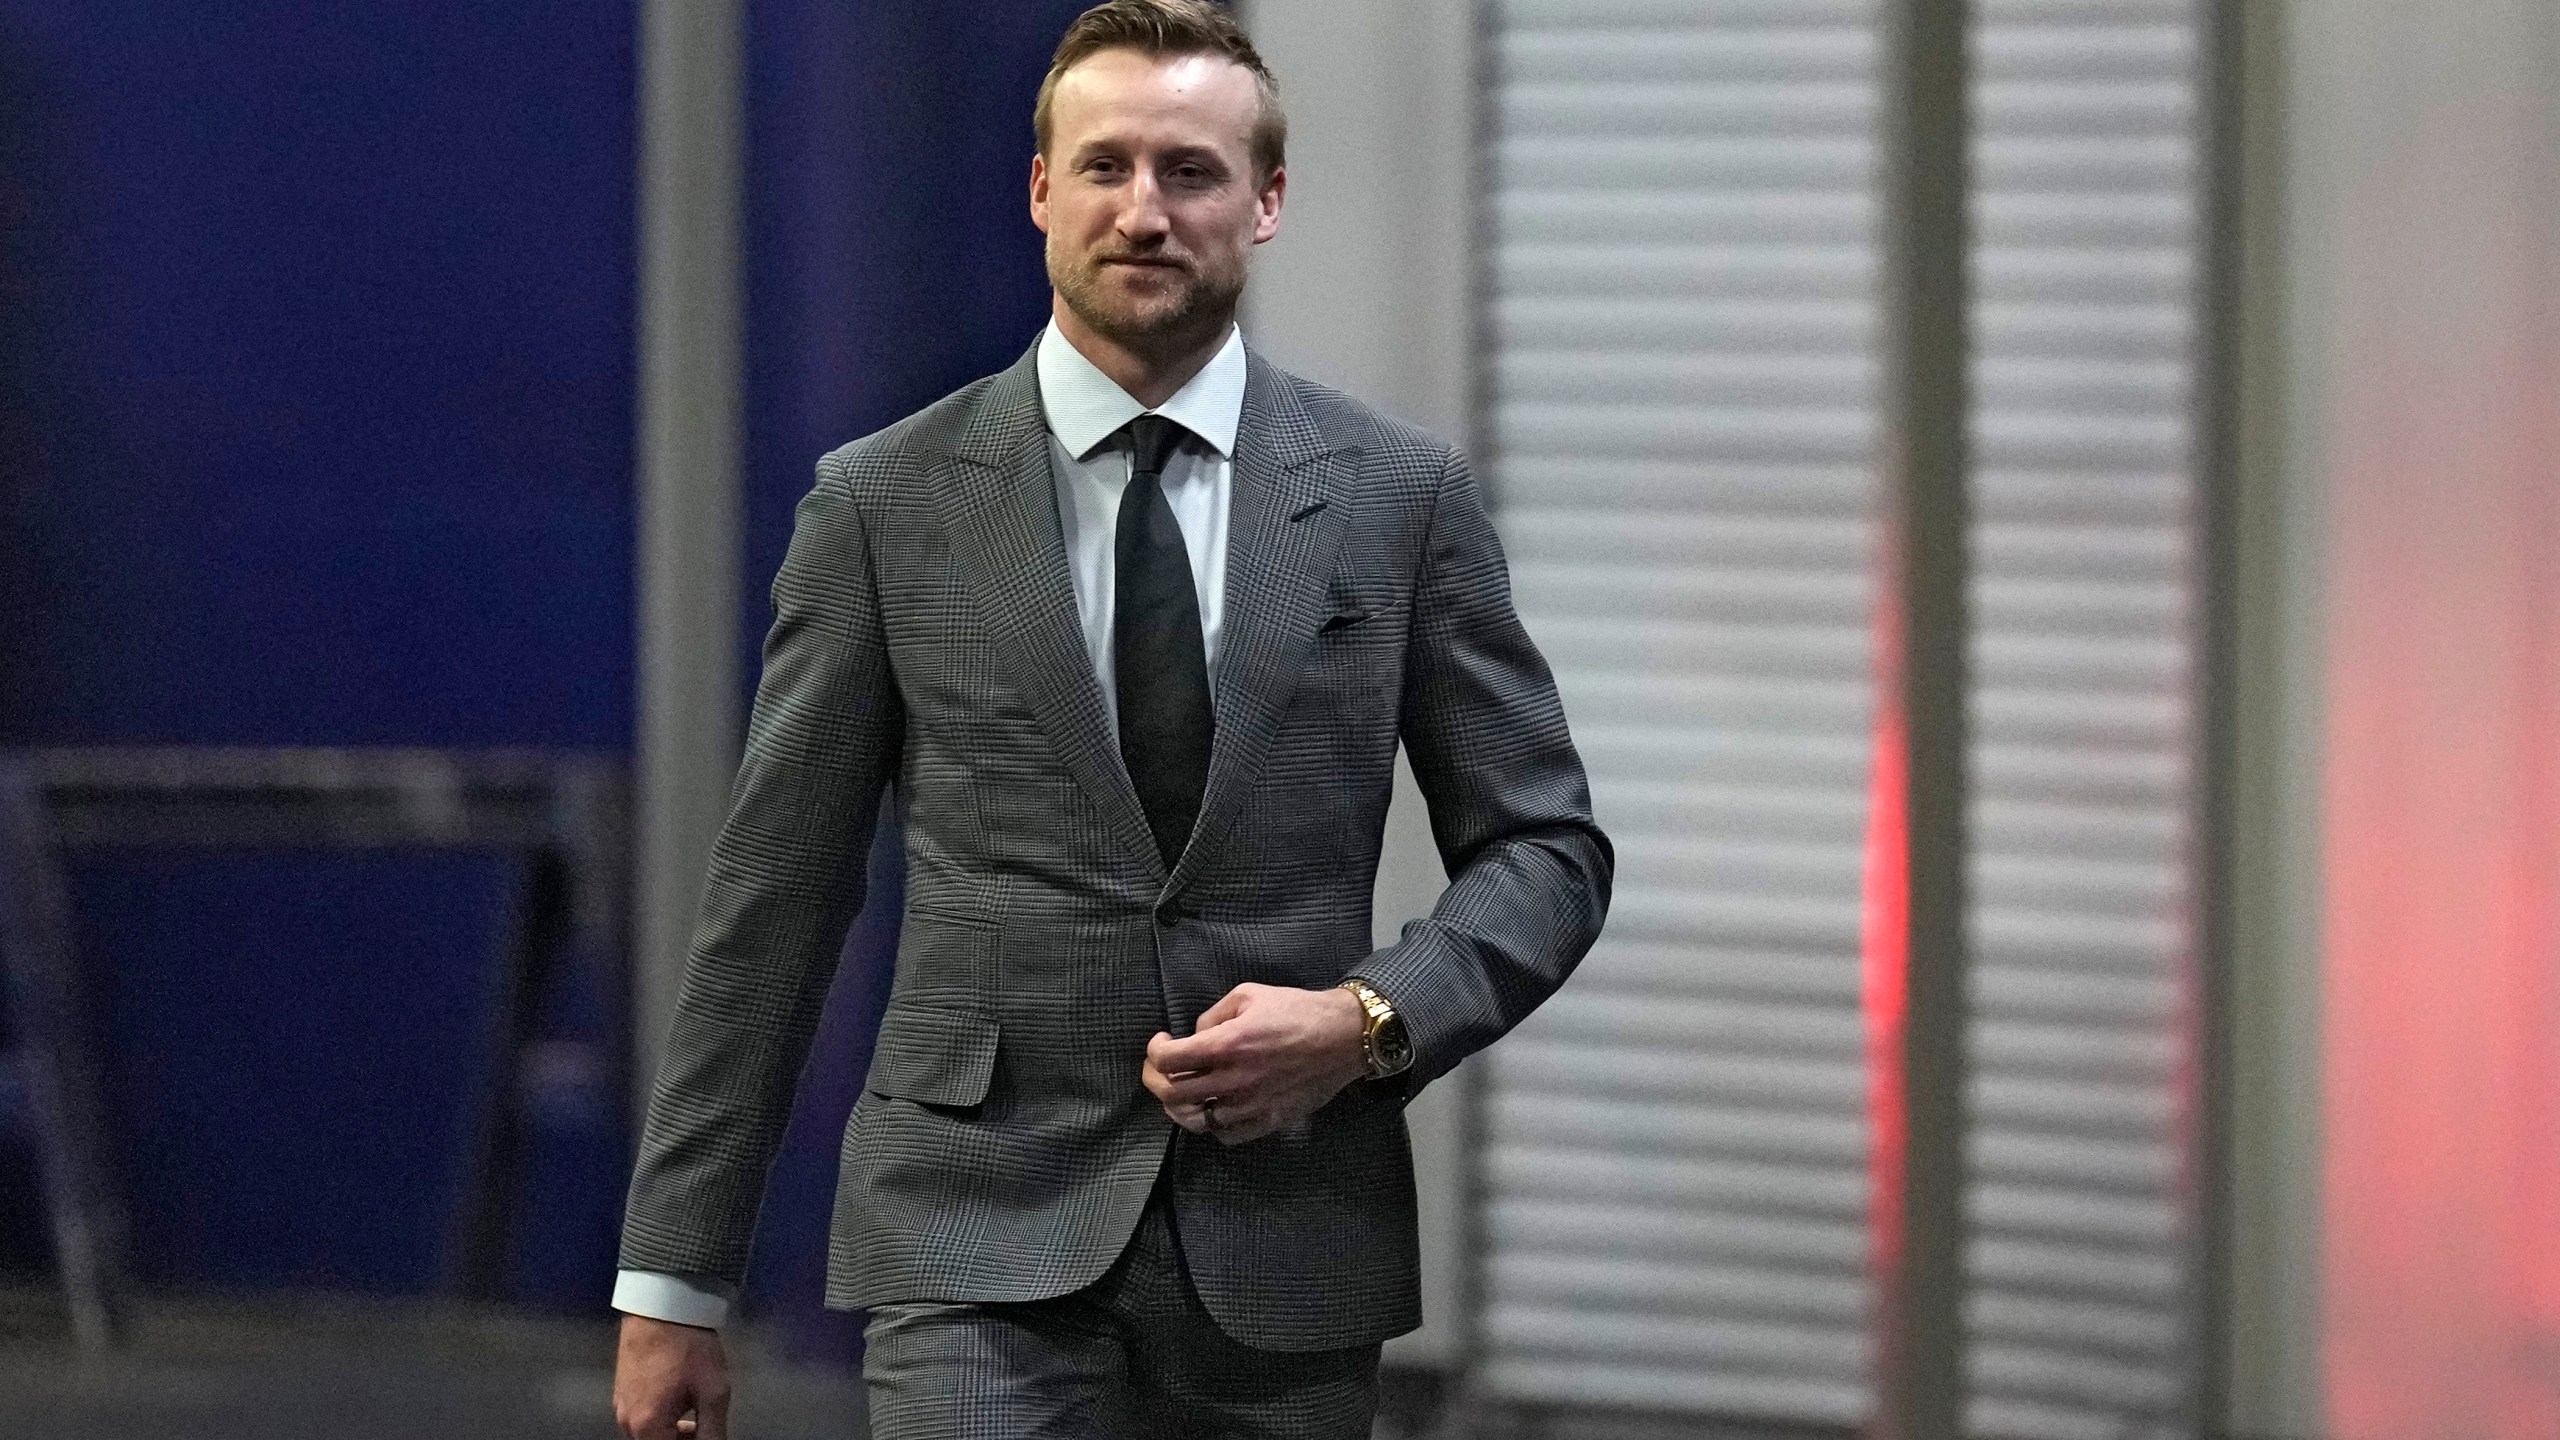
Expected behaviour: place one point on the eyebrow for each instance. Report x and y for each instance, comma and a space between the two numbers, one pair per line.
1107, 146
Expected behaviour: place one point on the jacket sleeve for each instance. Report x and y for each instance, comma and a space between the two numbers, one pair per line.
1529, 870
786, 879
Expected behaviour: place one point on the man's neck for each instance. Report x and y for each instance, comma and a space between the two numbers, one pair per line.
1152, 375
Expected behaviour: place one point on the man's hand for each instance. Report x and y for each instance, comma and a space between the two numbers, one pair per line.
1267, 1055
670, 1380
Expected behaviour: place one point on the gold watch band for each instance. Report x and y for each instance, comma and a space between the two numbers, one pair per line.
1370, 1000
1379, 1012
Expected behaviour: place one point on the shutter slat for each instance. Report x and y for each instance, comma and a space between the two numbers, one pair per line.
1682, 403
2087, 170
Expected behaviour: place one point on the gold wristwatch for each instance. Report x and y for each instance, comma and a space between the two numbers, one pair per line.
1383, 1045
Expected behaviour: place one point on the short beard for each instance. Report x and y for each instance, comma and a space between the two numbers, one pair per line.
1207, 302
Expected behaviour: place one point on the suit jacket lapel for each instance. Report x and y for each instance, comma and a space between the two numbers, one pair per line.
999, 505
1285, 519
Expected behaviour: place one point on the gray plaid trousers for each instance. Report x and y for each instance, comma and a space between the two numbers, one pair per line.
1130, 1357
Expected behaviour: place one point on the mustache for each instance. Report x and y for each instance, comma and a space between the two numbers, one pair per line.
1151, 257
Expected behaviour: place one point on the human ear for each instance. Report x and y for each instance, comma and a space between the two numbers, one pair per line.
1266, 205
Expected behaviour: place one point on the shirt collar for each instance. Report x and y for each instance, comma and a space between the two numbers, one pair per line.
1084, 406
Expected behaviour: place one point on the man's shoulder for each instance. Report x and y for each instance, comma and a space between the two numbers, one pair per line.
1348, 422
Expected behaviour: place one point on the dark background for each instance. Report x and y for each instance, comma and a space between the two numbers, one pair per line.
316, 428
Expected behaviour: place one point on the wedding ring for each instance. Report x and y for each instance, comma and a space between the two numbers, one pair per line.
1209, 1112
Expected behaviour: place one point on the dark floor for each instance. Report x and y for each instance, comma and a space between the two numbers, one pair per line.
344, 1368
309, 1368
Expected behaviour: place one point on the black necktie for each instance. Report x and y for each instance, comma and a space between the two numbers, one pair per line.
1158, 657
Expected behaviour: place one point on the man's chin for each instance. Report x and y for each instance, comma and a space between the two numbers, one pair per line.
1173, 318
1139, 292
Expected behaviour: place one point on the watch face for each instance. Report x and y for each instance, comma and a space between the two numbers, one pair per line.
1395, 1052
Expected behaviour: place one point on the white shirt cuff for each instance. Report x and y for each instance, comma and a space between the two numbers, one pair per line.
681, 1299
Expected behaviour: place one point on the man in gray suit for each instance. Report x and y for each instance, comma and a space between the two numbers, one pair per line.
1135, 628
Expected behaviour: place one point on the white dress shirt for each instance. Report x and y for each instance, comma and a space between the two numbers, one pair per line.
1089, 459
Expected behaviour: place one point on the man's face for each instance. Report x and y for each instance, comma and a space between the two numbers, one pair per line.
1148, 194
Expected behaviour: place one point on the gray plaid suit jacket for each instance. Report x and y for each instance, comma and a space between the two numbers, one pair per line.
925, 633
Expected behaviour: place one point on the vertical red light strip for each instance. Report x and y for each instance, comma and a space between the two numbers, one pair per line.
1884, 943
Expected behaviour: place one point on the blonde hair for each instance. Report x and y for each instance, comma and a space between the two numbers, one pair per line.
1169, 27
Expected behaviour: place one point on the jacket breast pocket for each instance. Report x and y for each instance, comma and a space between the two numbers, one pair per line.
933, 1053
1355, 669
1355, 621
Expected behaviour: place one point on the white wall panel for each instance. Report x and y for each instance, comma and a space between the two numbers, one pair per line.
1680, 315
2088, 172
1681, 311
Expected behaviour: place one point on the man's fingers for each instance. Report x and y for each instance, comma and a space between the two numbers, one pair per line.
660, 1425
1228, 1118
1242, 1129
1181, 1087
662, 1373
1186, 1056
1189, 1116
1168, 1055
1179, 1090
711, 1411
1238, 1120
1201, 1085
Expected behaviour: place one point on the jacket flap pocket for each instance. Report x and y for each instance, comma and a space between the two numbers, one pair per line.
933, 1053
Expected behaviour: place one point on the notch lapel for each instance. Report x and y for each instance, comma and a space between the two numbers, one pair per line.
1286, 515
999, 508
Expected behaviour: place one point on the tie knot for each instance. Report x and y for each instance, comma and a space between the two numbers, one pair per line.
1152, 439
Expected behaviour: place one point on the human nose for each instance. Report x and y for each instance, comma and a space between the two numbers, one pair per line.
1143, 217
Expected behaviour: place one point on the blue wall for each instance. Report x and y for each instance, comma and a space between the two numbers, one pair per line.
330, 371
316, 428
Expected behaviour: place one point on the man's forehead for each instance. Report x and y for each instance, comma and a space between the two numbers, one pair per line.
1113, 88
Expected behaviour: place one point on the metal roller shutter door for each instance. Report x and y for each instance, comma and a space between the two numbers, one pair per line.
1681, 267
2088, 172
1682, 298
